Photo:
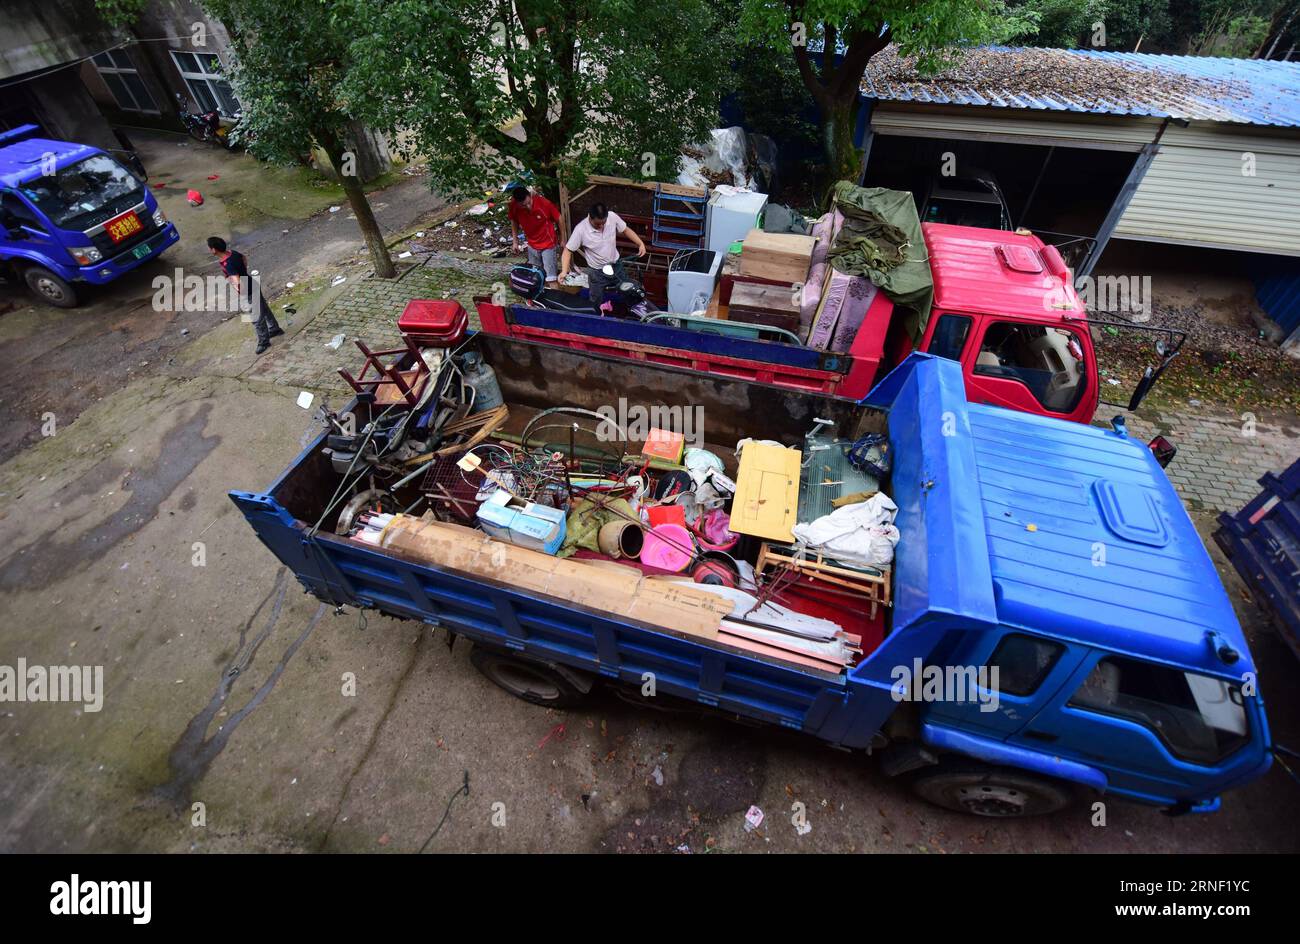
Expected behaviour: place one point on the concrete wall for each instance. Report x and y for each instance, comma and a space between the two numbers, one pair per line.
170, 24
40, 43
68, 112
41, 34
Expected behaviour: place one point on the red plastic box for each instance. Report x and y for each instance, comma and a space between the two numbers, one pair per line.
434, 322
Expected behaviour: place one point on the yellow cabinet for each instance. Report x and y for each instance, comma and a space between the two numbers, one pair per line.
767, 492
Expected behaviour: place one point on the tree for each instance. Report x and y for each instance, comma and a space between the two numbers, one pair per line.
1284, 19
119, 14
292, 65
551, 87
1069, 24
833, 41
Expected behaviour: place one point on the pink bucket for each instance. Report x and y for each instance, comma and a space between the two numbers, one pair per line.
668, 547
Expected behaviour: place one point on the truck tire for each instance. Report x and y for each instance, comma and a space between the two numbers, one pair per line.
50, 288
998, 792
534, 682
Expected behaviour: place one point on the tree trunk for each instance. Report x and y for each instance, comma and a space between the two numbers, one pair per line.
836, 91
839, 116
356, 195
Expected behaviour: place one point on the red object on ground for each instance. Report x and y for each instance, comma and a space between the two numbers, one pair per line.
538, 223
434, 322
158, 186
214, 176
194, 197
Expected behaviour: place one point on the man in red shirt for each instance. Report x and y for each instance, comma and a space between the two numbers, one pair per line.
537, 217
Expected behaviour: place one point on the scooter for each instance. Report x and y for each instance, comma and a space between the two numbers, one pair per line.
627, 300
207, 127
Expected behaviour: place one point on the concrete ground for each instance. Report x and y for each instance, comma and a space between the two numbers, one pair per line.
228, 722
60, 361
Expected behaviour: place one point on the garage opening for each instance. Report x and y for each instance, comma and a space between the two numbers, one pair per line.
1061, 193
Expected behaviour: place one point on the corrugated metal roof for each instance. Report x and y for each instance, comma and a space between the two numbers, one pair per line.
1199, 88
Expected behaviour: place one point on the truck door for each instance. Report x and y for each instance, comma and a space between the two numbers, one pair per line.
1149, 726
1017, 674
25, 229
1031, 367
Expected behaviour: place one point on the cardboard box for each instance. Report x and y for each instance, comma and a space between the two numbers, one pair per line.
664, 444
782, 257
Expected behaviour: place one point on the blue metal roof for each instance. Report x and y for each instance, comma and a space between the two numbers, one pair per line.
1087, 536
1199, 88
21, 162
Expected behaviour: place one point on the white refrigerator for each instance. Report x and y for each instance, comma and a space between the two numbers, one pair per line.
731, 217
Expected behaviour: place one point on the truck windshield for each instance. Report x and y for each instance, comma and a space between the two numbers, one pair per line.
86, 193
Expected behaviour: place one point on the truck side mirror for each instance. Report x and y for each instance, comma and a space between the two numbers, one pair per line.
1143, 388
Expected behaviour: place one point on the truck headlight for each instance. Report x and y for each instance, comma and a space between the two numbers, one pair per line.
159, 218
86, 255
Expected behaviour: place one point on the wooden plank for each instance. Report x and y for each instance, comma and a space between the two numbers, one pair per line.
740, 642
775, 298
677, 190
565, 199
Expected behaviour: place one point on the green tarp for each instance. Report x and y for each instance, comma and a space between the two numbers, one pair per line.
881, 240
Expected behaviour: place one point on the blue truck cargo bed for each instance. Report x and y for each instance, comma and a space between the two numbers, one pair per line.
1003, 516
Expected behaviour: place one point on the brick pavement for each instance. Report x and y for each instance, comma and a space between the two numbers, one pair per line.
369, 310
1221, 455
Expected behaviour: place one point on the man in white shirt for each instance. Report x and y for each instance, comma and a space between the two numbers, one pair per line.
597, 237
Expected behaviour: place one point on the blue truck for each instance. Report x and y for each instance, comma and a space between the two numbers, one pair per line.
72, 213
1058, 553
1263, 542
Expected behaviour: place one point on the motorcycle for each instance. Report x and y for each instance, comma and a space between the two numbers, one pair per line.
627, 300
207, 126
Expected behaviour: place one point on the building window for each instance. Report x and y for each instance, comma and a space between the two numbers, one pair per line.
119, 74
202, 74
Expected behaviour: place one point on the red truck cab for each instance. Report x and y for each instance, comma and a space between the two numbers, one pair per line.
1006, 308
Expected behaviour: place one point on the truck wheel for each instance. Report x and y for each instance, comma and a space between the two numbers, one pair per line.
990, 791
50, 288
535, 683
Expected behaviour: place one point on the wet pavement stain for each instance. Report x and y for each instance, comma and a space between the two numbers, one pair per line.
48, 559
194, 751
718, 777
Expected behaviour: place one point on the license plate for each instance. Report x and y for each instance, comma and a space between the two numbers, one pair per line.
123, 227
140, 251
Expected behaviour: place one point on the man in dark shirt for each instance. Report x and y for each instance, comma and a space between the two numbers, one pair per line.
235, 268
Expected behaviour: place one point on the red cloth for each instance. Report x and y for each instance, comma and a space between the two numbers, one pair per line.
537, 222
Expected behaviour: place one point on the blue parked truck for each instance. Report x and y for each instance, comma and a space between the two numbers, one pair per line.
1058, 553
71, 213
